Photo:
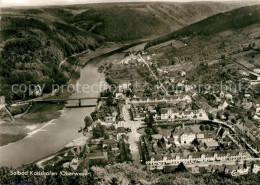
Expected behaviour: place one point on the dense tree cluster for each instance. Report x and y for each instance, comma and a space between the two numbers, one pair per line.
33, 49
88, 121
99, 131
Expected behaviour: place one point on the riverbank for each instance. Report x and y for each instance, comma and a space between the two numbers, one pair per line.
63, 129
41, 163
45, 139
37, 116
54, 135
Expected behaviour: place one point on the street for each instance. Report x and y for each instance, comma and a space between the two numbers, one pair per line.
133, 135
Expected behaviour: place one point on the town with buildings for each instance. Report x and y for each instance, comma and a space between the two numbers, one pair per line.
205, 131
131, 92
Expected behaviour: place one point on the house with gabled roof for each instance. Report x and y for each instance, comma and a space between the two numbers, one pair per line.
183, 136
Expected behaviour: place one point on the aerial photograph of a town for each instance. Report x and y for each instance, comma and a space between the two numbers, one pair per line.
130, 92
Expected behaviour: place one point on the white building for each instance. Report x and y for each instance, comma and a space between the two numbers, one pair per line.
256, 168
173, 99
247, 95
110, 119
182, 73
173, 159
74, 163
128, 59
223, 106
229, 96
172, 114
120, 124
123, 87
183, 136
119, 95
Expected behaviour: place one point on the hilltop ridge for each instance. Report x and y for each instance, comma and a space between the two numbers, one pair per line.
35, 40
232, 20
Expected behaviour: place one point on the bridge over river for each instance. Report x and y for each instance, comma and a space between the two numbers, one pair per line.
52, 136
70, 102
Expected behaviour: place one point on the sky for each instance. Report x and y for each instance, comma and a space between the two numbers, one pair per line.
5, 3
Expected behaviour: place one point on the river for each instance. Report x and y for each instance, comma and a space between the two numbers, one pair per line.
57, 133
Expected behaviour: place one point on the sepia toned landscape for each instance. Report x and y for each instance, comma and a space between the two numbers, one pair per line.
130, 93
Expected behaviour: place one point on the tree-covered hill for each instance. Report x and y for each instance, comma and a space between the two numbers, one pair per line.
33, 41
232, 20
32, 48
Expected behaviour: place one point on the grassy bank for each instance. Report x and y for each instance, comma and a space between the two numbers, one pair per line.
8, 138
38, 114
42, 112
11, 133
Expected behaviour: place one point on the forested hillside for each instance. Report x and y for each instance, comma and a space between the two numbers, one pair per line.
232, 20
34, 41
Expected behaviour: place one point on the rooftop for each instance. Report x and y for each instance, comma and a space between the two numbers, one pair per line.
212, 144
156, 136
109, 141
186, 130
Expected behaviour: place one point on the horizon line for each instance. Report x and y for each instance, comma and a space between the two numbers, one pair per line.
12, 5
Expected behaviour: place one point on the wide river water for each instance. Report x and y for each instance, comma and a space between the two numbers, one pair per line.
57, 133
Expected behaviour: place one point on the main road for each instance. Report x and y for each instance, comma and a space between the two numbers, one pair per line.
133, 135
